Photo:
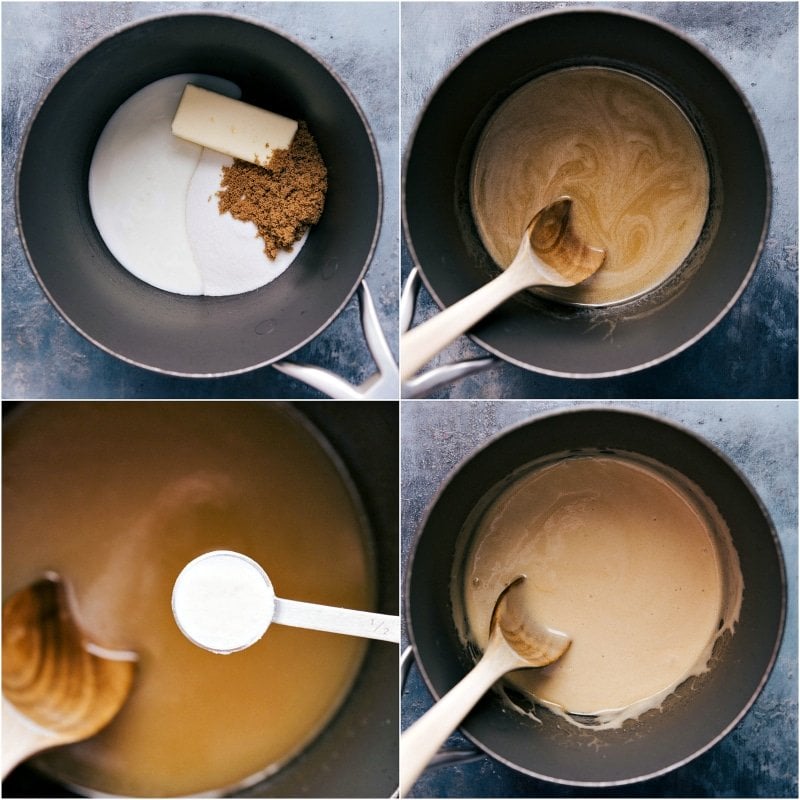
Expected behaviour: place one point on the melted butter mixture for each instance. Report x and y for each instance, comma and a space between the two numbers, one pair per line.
636, 567
117, 498
621, 149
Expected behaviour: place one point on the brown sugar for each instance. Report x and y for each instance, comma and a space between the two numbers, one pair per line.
283, 199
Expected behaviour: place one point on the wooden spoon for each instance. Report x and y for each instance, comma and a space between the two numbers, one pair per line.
57, 687
551, 254
516, 640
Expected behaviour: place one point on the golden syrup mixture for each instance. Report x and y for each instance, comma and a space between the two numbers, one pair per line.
623, 560
621, 149
117, 498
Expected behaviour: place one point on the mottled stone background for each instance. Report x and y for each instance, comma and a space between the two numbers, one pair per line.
752, 352
43, 356
759, 757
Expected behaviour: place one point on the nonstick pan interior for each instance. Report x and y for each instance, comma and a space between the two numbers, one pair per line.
543, 335
198, 336
364, 730
702, 711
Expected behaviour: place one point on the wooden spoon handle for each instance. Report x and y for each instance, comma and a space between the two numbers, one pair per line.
422, 343
420, 742
22, 738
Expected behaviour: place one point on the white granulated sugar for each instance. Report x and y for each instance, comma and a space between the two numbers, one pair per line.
223, 601
153, 199
228, 252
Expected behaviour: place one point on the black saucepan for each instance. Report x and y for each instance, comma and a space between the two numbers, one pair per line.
702, 711
544, 335
181, 335
356, 754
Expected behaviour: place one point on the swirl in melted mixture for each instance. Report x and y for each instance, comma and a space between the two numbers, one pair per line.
621, 149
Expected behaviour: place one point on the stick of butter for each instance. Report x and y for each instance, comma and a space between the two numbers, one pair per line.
230, 126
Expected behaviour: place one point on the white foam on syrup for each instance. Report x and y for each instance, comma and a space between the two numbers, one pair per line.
153, 198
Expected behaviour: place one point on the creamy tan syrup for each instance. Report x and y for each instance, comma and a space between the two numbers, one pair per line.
117, 498
622, 149
635, 565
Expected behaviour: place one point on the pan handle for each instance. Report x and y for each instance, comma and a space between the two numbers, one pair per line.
446, 756
421, 385
383, 385
385, 382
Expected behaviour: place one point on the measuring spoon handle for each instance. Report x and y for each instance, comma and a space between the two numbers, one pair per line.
337, 620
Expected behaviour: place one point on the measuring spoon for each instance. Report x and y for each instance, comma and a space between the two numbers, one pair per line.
224, 602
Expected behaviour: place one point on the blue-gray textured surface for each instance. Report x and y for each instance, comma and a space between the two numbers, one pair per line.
752, 352
759, 757
42, 355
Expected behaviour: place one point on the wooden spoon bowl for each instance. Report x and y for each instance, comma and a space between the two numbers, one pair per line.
517, 640
551, 253
57, 687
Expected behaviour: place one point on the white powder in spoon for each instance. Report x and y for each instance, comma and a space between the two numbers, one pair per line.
153, 198
223, 601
